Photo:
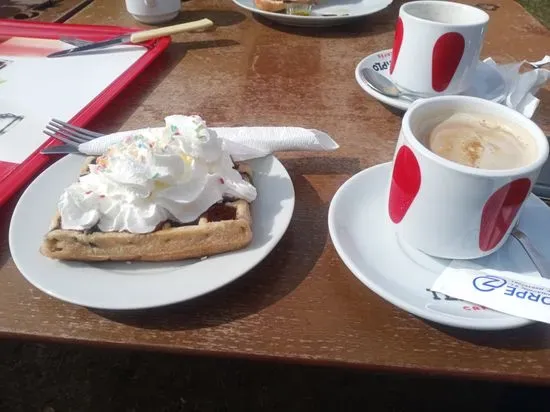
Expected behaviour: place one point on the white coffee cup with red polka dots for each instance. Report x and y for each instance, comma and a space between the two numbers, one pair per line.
153, 11
449, 210
436, 47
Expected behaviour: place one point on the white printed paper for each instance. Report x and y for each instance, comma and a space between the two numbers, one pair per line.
40, 88
523, 295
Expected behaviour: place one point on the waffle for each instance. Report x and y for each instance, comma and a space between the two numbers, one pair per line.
224, 227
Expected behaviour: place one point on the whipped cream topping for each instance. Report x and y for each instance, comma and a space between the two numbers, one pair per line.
175, 173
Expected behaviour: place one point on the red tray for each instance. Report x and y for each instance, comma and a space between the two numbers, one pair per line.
12, 175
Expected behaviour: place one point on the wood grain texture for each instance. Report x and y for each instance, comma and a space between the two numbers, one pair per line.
301, 303
41, 10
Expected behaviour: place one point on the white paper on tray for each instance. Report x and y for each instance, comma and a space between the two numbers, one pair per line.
41, 88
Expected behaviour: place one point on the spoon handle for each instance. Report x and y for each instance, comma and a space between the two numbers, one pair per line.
540, 262
409, 97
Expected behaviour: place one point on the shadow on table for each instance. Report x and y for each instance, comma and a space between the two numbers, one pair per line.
126, 103
5, 218
275, 277
220, 18
321, 166
542, 115
377, 23
530, 337
393, 110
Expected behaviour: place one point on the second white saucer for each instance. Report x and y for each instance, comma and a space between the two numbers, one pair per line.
488, 83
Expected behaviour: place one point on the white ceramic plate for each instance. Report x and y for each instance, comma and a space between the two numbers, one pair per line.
120, 285
362, 235
488, 83
351, 8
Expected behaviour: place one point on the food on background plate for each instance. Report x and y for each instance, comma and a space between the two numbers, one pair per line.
296, 7
163, 194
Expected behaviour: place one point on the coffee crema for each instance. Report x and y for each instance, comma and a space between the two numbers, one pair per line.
482, 141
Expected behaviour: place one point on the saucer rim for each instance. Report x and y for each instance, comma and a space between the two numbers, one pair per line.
506, 323
400, 103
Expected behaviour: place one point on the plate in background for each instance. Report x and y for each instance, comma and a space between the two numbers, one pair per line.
345, 10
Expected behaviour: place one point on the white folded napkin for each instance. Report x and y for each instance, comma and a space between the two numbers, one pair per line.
522, 87
242, 143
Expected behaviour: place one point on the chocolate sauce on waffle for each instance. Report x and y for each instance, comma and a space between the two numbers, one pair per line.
221, 211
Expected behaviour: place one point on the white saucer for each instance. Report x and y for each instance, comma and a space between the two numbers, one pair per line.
488, 83
362, 235
352, 9
121, 285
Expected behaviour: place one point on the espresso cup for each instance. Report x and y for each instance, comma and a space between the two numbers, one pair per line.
450, 210
436, 47
153, 11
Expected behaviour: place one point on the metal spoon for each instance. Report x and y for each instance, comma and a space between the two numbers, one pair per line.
540, 63
384, 85
540, 262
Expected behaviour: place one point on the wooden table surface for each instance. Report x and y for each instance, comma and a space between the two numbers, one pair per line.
301, 303
41, 10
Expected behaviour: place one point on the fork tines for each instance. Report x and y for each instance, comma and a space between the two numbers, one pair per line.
69, 134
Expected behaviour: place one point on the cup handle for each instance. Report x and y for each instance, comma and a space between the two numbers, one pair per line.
150, 3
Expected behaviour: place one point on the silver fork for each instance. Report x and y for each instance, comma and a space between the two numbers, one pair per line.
68, 134
73, 41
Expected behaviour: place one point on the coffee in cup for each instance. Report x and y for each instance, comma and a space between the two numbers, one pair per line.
482, 141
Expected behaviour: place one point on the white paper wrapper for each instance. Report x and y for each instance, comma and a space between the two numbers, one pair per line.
523, 295
242, 143
522, 87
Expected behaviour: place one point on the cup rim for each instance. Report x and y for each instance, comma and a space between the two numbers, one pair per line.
510, 114
484, 17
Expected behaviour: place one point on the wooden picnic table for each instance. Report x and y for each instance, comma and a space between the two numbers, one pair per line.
301, 304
